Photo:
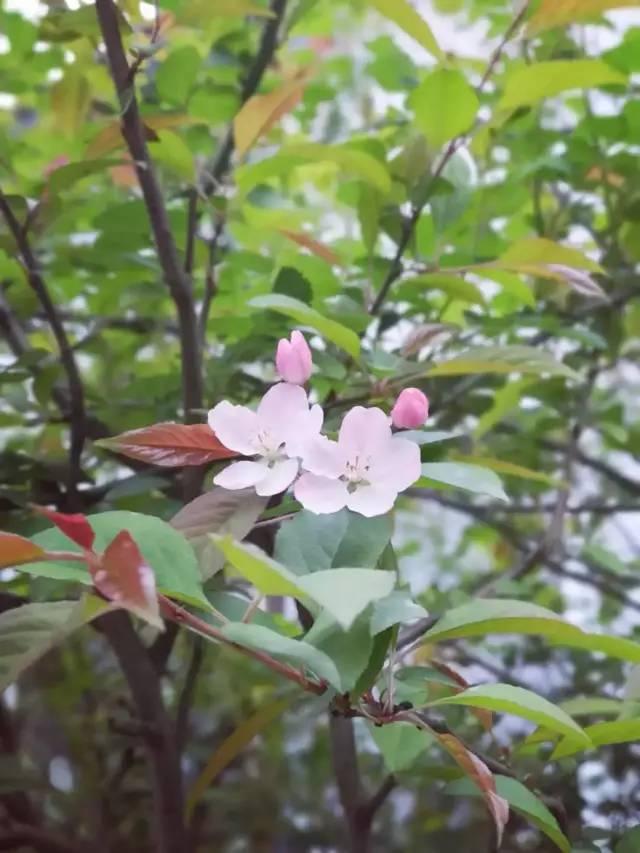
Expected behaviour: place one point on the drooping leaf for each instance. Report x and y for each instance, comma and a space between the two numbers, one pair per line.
263, 639
508, 699
335, 332
404, 15
512, 469
453, 286
123, 576
166, 550
30, 631
258, 115
169, 445
233, 745
529, 84
462, 475
521, 800
15, 550
445, 105
217, 511
601, 734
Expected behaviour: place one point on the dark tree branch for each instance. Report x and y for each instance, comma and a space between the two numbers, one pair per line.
67, 358
188, 691
345, 767
144, 684
177, 280
409, 224
19, 836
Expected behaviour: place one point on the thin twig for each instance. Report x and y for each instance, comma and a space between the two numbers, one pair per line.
77, 411
177, 280
409, 224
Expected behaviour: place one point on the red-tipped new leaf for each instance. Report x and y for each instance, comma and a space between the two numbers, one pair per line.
73, 525
16, 550
123, 576
170, 445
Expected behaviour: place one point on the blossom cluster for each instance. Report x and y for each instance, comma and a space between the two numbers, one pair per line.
364, 470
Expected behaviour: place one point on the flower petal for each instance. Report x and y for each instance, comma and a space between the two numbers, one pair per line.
281, 407
305, 432
324, 457
235, 426
241, 475
278, 478
364, 431
397, 466
372, 500
320, 494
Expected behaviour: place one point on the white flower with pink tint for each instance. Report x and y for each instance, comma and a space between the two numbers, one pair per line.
276, 436
293, 359
364, 470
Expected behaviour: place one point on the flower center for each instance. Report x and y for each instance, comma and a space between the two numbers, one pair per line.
269, 447
357, 472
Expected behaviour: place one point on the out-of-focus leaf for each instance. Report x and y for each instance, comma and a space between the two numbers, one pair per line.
601, 734
30, 631
169, 445
507, 359
335, 332
233, 745
261, 112
511, 469
630, 841
314, 246
529, 84
563, 13
401, 744
70, 99
445, 105
398, 607
404, 15
15, 550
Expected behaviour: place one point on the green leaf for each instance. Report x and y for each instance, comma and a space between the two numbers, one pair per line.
505, 399
70, 100
349, 650
563, 13
532, 253
630, 841
400, 744
377, 658
445, 105
511, 469
472, 478
265, 640
343, 592
453, 286
349, 160
508, 699
310, 543
338, 334
30, 631
177, 74
507, 359
429, 436
402, 13
601, 734
532, 83
499, 616
579, 706
168, 553
521, 800
66, 176
398, 607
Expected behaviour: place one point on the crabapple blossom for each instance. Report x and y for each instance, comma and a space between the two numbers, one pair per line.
275, 436
293, 359
411, 409
364, 470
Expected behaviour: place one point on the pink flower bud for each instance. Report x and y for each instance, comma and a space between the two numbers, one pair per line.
293, 359
411, 409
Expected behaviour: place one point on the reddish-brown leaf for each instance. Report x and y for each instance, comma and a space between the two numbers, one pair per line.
480, 774
123, 576
16, 550
73, 525
314, 246
170, 445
